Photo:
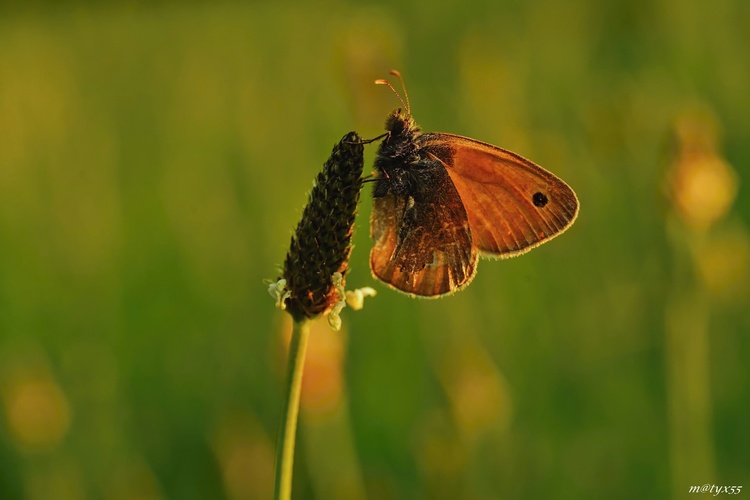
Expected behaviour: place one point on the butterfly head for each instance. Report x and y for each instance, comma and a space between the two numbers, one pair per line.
400, 124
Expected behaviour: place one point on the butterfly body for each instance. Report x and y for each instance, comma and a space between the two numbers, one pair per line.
441, 200
398, 159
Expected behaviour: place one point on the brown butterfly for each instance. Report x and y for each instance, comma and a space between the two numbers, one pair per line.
441, 200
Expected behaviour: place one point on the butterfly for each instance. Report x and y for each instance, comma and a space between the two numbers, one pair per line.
442, 200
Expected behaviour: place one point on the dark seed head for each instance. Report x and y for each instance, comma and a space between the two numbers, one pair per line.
321, 243
539, 199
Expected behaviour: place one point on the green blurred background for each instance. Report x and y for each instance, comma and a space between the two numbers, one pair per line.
154, 160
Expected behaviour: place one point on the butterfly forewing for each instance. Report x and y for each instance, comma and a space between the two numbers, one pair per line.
422, 247
512, 204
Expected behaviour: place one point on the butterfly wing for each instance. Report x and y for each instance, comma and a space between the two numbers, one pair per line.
422, 247
512, 204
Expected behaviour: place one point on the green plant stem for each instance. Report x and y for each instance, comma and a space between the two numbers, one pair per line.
288, 424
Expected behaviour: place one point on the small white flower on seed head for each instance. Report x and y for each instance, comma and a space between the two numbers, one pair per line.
338, 282
334, 315
279, 291
356, 298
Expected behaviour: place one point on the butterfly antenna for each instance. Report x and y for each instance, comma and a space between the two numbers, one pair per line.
403, 87
381, 81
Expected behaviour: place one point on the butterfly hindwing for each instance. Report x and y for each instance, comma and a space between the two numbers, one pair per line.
422, 247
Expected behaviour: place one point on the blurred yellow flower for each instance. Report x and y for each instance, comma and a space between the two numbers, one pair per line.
702, 185
37, 411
